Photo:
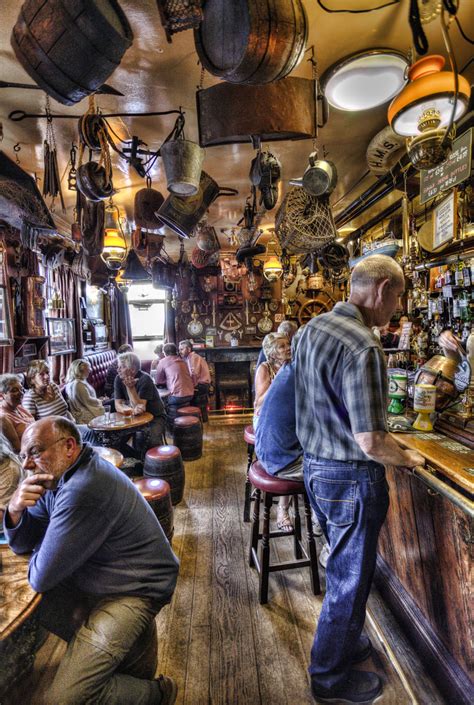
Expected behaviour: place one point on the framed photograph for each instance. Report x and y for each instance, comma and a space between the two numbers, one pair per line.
6, 337
445, 221
62, 336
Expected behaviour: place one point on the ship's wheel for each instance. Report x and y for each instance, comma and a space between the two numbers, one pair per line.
321, 304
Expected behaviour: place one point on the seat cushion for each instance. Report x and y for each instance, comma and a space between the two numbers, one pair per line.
163, 453
185, 421
189, 411
249, 435
261, 479
152, 488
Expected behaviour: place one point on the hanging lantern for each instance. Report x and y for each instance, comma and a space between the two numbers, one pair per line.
115, 247
272, 266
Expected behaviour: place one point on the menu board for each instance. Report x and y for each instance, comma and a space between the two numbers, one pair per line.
451, 172
444, 221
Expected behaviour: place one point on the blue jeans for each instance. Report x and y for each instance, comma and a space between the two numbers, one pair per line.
350, 500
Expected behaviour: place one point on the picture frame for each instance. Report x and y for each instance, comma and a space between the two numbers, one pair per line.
6, 334
62, 336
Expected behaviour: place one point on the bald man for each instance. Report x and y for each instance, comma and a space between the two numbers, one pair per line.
96, 546
341, 402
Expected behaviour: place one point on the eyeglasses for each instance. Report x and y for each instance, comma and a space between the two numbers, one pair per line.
36, 453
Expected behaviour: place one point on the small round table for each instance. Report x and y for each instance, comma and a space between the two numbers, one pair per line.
112, 431
111, 454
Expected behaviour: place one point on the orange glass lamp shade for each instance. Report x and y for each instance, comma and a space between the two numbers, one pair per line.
429, 88
115, 249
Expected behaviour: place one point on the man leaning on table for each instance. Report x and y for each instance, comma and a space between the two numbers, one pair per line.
103, 563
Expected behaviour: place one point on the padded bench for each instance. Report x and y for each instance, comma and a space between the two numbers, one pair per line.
99, 362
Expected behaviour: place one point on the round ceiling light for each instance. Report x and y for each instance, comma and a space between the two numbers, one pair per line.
365, 80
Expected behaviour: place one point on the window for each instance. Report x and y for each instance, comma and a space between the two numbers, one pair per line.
147, 315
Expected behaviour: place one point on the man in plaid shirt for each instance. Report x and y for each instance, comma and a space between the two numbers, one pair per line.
341, 402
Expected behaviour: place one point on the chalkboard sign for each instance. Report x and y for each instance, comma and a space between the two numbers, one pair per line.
455, 169
444, 221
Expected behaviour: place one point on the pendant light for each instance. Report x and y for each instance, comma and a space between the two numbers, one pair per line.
115, 246
272, 267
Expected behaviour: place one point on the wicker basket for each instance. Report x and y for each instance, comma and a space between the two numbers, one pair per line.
304, 223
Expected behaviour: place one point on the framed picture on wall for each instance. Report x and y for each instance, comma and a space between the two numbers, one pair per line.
62, 336
6, 337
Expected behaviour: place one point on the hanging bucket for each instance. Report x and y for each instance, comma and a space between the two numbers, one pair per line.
183, 214
182, 160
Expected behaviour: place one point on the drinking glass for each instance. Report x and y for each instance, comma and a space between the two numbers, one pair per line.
107, 415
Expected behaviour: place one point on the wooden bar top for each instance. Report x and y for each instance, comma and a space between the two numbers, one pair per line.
17, 598
451, 458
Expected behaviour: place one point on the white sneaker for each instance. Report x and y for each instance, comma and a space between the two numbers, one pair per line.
324, 555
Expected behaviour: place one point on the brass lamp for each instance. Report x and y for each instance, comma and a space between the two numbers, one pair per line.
272, 266
115, 247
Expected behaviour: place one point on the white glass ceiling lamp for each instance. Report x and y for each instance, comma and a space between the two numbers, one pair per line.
365, 80
430, 89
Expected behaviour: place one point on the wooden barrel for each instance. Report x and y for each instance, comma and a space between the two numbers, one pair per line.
158, 495
187, 436
70, 47
190, 411
166, 463
251, 41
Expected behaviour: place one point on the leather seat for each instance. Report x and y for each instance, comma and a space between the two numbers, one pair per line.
260, 478
249, 435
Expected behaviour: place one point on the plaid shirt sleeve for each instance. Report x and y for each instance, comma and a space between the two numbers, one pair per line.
364, 390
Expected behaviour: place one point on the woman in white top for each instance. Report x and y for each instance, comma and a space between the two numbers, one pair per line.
81, 395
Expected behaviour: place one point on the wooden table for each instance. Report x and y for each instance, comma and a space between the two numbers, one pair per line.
111, 433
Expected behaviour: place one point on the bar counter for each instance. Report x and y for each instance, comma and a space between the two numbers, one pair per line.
424, 562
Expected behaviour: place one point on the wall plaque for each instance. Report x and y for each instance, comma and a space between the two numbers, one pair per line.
444, 221
451, 172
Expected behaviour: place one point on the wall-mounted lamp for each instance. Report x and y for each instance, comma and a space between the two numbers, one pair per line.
365, 80
115, 246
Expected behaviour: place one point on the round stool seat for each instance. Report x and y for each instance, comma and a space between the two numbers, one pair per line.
261, 479
111, 454
186, 421
163, 452
249, 435
158, 495
165, 462
189, 411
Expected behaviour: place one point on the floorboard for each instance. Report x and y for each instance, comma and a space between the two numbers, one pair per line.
215, 639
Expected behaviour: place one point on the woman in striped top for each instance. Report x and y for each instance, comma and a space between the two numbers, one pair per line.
43, 398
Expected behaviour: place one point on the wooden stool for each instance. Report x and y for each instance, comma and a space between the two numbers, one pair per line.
272, 486
158, 495
187, 436
111, 454
190, 411
166, 463
249, 438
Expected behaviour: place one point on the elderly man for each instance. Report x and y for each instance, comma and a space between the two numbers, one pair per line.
97, 547
199, 371
341, 402
173, 372
112, 371
134, 387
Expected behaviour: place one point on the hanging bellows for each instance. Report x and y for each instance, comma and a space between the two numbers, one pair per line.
70, 47
251, 41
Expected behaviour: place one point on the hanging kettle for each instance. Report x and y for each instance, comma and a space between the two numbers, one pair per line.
320, 177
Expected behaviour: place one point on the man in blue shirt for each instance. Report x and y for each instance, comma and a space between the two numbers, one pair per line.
96, 545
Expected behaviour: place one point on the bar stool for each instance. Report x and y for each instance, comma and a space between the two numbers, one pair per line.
157, 494
249, 438
272, 486
190, 411
187, 436
166, 463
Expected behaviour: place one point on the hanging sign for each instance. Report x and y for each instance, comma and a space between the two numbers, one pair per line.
444, 221
451, 172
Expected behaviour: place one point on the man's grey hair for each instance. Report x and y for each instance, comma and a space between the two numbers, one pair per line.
66, 428
130, 361
188, 344
7, 381
375, 269
288, 328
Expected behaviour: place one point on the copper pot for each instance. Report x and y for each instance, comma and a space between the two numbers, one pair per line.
440, 371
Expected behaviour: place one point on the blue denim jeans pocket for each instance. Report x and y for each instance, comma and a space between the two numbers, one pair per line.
336, 499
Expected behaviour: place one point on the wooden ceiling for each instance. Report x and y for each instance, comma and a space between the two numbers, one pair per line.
155, 75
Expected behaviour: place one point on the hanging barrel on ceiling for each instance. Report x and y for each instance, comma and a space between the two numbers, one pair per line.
251, 41
70, 47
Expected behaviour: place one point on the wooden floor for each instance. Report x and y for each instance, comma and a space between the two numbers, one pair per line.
220, 645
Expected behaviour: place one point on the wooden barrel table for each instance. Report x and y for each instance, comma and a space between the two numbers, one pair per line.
166, 463
187, 436
158, 495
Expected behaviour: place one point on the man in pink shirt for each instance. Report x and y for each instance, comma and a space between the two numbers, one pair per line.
199, 371
173, 372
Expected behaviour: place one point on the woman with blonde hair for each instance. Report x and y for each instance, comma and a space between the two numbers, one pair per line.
81, 395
